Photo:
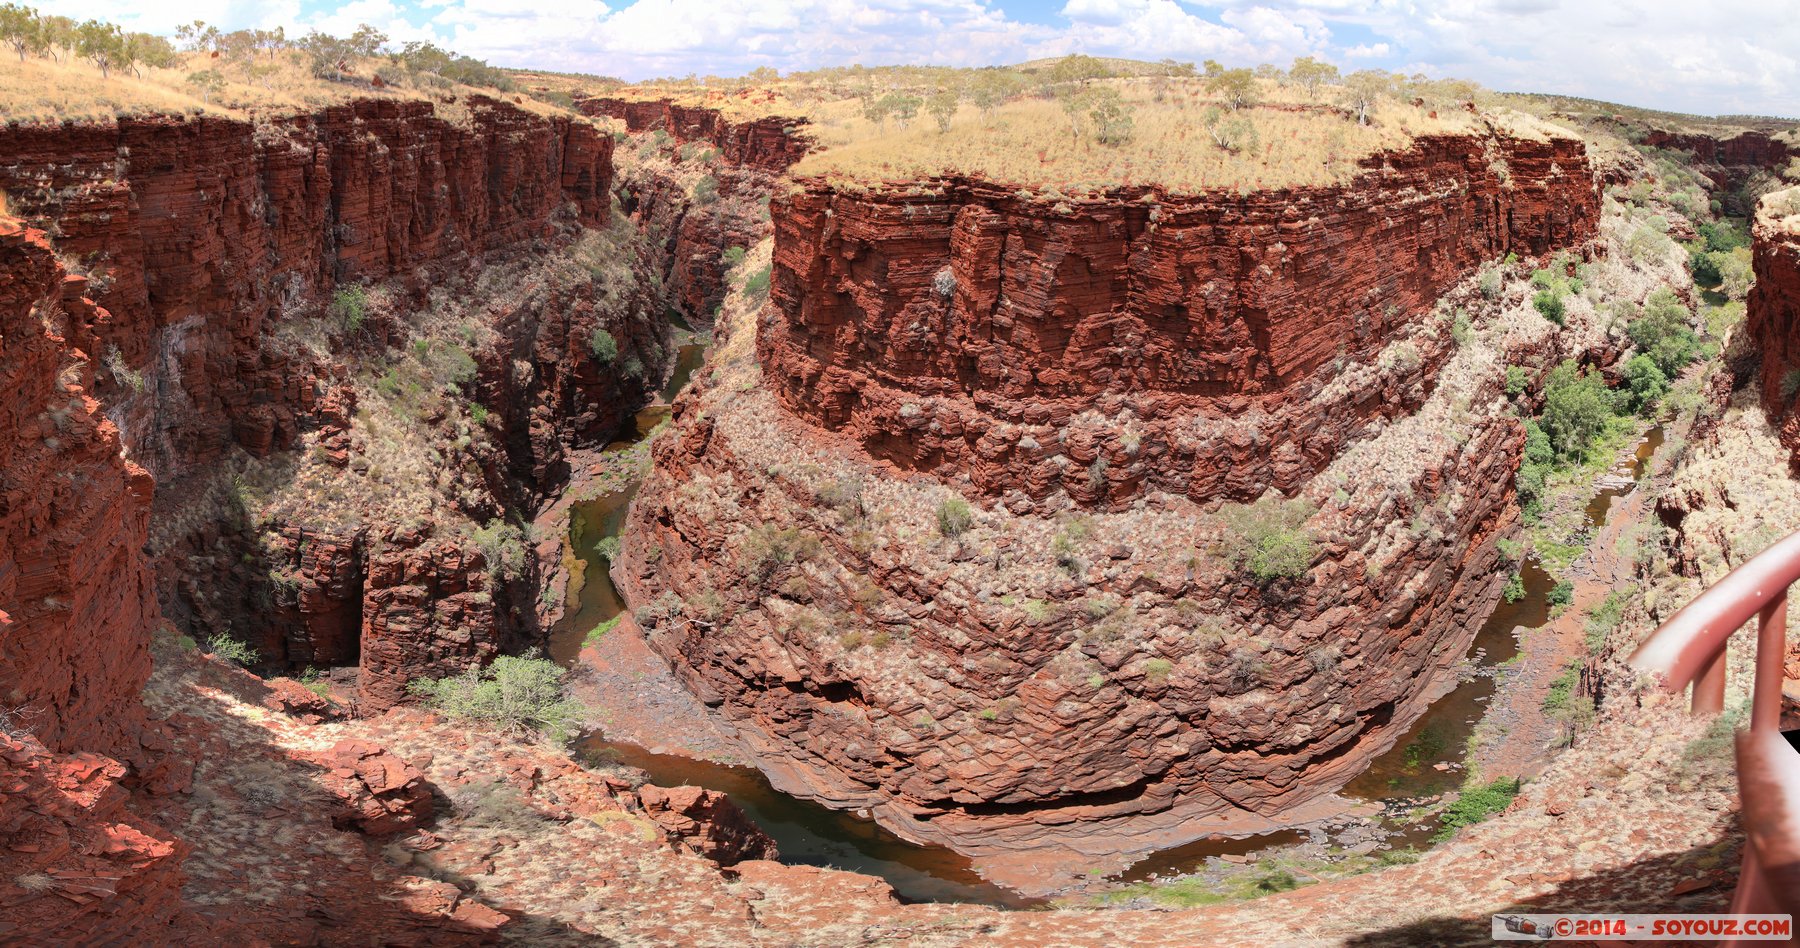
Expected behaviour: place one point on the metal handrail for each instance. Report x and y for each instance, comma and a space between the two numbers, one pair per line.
1689, 649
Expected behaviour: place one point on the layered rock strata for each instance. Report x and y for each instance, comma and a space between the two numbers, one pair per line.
1773, 318
212, 245
73, 517
958, 328
200, 233
79, 867
1038, 682
1750, 157
771, 143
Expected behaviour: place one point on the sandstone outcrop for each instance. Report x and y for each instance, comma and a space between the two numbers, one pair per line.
707, 822
770, 143
957, 328
378, 794
1773, 319
297, 701
79, 867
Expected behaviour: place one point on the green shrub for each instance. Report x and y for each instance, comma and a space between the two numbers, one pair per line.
1535, 465
756, 285
1603, 618
605, 347
1269, 537
954, 517
1489, 283
766, 548
1723, 236
1577, 410
1516, 381
1662, 332
1645, 383
1561, 594
1515, 588
1475, 804
732, 256
609, 547
706, 190
503, 546
1702, 265
234, 650
350, 306
1550, 306
518, 695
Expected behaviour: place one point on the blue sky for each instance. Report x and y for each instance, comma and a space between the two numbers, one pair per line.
1717, 56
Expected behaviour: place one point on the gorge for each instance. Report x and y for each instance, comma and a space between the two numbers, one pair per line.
1048, 527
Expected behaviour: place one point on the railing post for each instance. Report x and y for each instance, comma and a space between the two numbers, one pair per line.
1771, 657
1709, 688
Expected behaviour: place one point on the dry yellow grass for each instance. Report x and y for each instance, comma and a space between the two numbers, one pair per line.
1780, 211
1029, 142
44, 90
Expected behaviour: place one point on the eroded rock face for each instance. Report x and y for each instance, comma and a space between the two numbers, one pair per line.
1731, 163
79, 867
1773, 318
200, 232
206, 239
773, 143
73, 517
1085, 666
706, 821
956, 328
379, 794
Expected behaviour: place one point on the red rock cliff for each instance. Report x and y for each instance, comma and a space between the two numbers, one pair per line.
1726, 158
73, 517
773, 143
1774, 313
954, 327
200, 232
202, 237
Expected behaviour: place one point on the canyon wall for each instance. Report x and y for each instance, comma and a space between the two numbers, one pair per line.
1773, 318
771, 143
74, 636
212, 245
957, 328
199, 234
1729, 161
73, 518
1090, 665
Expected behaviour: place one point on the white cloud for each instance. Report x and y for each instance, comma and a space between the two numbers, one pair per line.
1722, 56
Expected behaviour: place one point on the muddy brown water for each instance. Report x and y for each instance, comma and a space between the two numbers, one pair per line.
808, 833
